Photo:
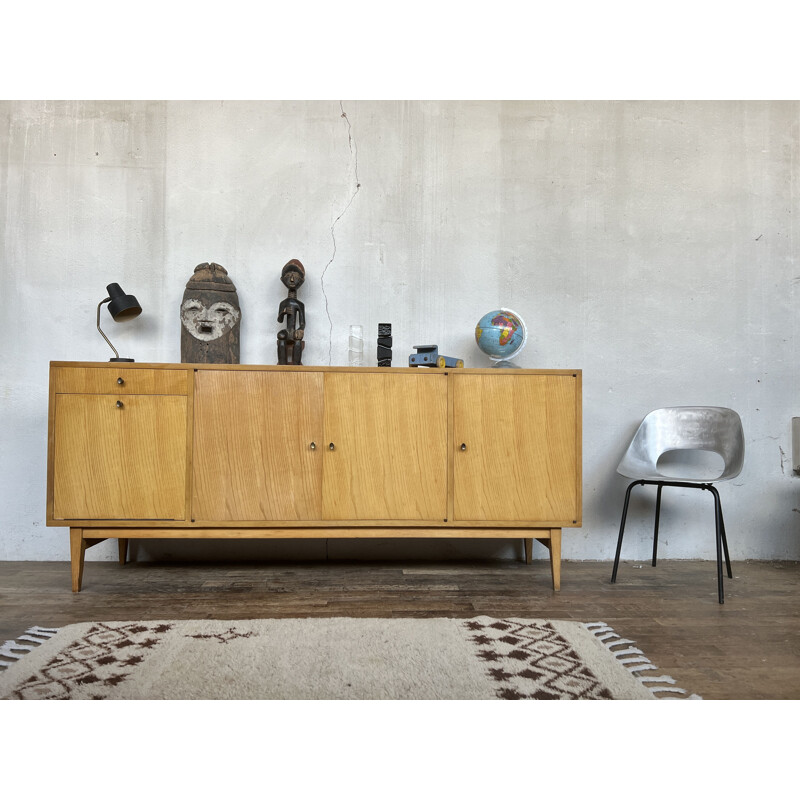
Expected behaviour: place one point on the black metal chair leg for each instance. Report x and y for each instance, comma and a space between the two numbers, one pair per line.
622, 530
725, 541
655, 530
719, 524
717, 520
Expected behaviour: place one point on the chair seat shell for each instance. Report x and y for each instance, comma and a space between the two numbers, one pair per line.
710, 428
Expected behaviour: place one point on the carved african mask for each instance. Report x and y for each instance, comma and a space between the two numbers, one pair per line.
210, 317
207, 324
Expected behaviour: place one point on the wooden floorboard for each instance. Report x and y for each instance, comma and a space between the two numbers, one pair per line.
748, 648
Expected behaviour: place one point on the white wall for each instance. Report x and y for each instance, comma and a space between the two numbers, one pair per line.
651, 244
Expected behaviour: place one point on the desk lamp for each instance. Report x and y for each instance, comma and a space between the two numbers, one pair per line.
122, 307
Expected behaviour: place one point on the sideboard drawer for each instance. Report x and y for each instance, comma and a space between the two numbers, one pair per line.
119, 380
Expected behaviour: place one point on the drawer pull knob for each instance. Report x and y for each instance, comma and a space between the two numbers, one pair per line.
463, 446
313, 445
120, 381
119, 404
331, 447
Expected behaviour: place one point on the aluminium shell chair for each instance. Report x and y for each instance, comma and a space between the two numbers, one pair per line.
710, 428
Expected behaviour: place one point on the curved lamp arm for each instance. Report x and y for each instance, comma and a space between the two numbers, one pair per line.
107, 300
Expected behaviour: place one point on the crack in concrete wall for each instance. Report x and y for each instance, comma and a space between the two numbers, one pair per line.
354, 156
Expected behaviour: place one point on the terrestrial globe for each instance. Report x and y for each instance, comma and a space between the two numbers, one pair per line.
501, 334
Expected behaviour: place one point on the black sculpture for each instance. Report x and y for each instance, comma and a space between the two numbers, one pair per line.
290, 339
384, 344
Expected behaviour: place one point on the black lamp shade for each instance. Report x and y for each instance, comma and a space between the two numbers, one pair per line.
122, 306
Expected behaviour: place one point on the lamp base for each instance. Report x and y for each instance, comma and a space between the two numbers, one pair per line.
120, 359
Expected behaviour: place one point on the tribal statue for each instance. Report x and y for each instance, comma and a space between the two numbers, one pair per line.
290, 339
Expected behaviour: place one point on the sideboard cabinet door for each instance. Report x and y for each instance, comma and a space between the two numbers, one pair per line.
385, 446
257, 445
119, 457
517, 447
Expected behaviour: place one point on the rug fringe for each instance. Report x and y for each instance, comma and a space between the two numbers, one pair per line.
635, 661
14, 649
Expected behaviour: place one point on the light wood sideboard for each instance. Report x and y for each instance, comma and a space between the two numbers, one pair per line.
241, 451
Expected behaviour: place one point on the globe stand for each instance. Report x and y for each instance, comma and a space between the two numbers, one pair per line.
505, 364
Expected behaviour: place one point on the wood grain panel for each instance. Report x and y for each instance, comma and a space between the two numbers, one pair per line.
390, 437
119, 463
252, 445
105, 380
521, 456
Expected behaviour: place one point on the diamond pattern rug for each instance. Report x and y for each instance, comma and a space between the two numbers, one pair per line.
339, 658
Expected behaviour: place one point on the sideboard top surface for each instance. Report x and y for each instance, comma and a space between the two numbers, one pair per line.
313, 368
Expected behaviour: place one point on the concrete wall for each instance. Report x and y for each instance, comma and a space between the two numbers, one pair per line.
652, 244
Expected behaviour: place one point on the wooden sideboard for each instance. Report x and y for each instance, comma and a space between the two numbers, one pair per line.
240, 451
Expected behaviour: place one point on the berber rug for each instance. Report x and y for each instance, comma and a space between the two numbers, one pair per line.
329, 659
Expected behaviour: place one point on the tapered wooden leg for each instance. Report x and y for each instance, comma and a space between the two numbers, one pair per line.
555, 557
528, 550
77, 549
123, 551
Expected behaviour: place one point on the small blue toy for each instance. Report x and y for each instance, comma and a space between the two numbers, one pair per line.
427, 355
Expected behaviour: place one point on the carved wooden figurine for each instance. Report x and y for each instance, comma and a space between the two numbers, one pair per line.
210, 318
290, 339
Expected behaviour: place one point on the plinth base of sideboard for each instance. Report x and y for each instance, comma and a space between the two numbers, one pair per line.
83, 538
